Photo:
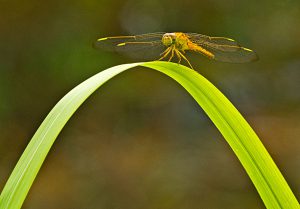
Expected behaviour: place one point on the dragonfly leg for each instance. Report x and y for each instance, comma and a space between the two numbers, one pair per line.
172, 54
165, 53
185, 59
178, 56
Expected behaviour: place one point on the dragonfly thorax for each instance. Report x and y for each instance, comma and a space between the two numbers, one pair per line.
179, 40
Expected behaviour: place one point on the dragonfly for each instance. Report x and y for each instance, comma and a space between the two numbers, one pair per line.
168, 46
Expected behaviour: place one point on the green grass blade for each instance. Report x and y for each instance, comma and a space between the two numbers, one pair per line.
257, 162
24, 173
263, 172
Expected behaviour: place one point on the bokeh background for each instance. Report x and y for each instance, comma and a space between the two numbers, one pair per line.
141, 141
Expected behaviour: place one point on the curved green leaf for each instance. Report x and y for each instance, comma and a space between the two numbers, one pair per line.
260, 167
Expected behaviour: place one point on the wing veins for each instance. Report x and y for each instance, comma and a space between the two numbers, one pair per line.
152, 43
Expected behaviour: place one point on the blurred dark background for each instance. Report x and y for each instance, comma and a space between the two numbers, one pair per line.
141, 141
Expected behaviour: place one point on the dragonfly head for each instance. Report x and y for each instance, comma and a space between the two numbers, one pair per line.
168, 39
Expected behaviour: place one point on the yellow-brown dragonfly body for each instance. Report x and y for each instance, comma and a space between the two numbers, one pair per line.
176, 43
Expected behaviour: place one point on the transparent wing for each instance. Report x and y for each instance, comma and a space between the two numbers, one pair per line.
199, 38
224, 49
147, 46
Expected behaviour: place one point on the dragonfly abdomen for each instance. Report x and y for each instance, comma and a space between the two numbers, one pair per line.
203, 51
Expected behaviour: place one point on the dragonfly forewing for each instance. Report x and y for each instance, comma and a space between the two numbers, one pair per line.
147, 46
203, 39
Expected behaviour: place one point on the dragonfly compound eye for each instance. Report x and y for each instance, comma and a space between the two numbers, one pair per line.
167, 40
